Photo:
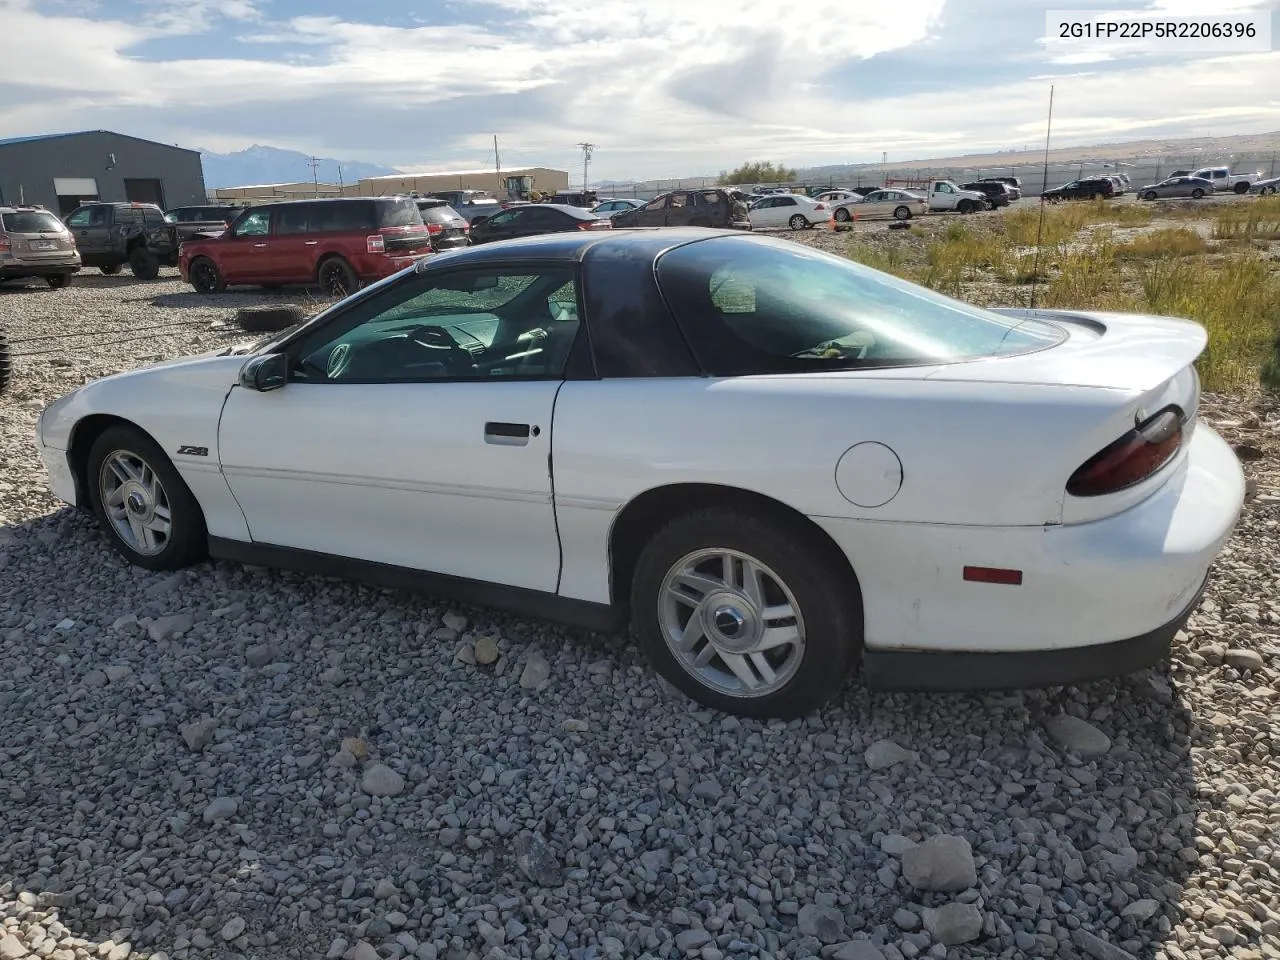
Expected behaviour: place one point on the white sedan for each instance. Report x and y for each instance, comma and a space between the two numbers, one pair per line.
772, 462
898, 204
788, 210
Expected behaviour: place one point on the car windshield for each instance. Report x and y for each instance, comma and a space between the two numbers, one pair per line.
751, 305
35, 221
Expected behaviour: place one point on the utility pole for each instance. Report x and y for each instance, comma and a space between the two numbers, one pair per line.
586, 159
342, 186
314, 164
497, 163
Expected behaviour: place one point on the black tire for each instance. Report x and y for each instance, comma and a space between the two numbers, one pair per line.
965, 206
110, 269
902, 213
798, 222
830, 610
1241, 187
843, 215
144, 264
6, 363
1267, 190
205, 277
187, 542
1197, 194
1152, 195
337, 278
269, 319
58, 280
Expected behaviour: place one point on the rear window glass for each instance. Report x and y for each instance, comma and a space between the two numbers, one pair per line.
750, 305
31, 222
398, 213
443, 214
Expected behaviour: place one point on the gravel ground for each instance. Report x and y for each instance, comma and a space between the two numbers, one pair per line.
233, 762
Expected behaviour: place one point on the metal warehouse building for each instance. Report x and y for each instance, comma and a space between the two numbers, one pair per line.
543, 179
62, 170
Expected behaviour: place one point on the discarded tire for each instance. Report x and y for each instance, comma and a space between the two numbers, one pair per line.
900, 225
269, 319
6, 363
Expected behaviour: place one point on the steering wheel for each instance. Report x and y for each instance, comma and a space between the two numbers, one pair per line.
438, 340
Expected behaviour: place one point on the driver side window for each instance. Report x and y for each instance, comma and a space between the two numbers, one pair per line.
467, 324
255, 224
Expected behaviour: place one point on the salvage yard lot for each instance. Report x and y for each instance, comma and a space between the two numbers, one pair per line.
233, 761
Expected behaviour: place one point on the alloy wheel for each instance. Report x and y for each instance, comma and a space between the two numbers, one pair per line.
731, 622
135, 502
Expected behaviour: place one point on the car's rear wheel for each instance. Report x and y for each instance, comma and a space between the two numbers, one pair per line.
843, 215
745, 614
58, 280
1151, 195
1266, 190
144, 264
205, 277
1197, 194
147, 510
798, 222
337, 278
902, 213
110, 269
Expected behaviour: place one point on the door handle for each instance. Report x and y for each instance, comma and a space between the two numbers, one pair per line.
312, 243
509, 434
259, 244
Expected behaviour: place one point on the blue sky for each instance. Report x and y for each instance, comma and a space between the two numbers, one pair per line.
663, 87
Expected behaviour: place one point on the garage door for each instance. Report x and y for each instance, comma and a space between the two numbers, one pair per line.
144, 191
73, 191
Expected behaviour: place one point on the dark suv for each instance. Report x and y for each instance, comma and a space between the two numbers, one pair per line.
689, 208
338, 243
994, 190
109, 235
1090, 188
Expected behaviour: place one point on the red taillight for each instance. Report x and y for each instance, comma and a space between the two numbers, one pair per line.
595, 225
819, 206
434, 228
5, 243
375, 244
1131, 459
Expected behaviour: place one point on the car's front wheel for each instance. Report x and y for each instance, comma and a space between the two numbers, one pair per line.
147, 510
109, 269
746, 614
1151, 195
57, 281
1197, 194
144, 264
205, 277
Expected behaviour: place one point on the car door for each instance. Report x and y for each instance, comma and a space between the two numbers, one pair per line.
91, 227
766, 213
290, 255
874, 204
500, 226
243, 254
415, 426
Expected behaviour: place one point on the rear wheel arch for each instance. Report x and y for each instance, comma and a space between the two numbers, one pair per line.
649, 512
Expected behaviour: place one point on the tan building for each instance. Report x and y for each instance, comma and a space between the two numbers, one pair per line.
276, 191
514, 180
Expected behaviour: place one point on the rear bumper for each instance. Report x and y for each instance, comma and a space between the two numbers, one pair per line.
378, 266
1126, 579
953, 671
13, 269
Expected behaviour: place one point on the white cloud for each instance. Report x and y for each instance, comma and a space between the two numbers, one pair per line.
665, 88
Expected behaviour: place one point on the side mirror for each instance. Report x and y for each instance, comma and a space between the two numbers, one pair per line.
269, 372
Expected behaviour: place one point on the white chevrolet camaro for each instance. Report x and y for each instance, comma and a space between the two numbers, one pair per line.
769, 461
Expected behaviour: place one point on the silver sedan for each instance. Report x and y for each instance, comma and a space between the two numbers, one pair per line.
1195, 187
1266, 186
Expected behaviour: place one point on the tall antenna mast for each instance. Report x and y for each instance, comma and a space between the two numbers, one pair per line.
586, 159
1044, 185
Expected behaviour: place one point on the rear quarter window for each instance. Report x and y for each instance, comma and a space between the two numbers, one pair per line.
344, 216
752, 306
